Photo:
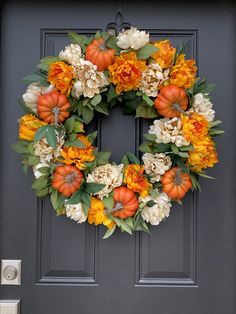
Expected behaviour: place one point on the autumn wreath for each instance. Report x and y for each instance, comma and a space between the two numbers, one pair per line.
152, 79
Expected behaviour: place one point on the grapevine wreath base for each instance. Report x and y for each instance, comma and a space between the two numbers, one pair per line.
151, 79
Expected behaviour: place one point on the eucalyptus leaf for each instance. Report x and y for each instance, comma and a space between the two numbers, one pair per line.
109, 232
146, 51
145, 111
132, 158
96, 100
108, 202
40, 183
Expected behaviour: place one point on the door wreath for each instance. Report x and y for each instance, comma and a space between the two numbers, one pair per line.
151, 79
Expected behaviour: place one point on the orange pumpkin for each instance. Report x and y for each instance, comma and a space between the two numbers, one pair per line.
171, 101
99, 54
67, 179
175, 183
52, 107
126, 202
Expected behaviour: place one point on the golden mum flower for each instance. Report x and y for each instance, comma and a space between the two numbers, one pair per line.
204, 154
96, 214
126, 72
78, 156
183, 73
135, 179
29, 124
61, 76
165, 55
194, 127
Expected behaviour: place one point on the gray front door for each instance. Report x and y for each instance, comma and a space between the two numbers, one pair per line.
187, 264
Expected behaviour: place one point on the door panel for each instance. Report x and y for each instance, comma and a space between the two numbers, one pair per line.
187, 263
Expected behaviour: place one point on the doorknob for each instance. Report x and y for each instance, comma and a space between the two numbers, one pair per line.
10, 272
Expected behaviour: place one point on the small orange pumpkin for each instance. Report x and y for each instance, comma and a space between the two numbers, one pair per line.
126, 202
171, 101
99, 54
175, 183
52, 107
67, 179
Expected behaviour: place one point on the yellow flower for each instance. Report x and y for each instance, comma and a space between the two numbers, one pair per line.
204, 154
61, 76
78, 156
165, 55
135, 179
194, 127
183, 72
28, 126
126, 72
96, 214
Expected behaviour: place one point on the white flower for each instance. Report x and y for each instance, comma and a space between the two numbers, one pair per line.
89, 80
156, 165
111, 176
132, 38
71, 54
75, 212
160, 210
152, 78
168, 131
203, 106
36, 168
45, 152
32, 93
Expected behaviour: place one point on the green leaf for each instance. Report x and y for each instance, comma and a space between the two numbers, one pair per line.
214, 123
150, 137
21, 146
33, 160
40, 183
215, 132
129, 222
148, 100
132, 158
42, 193
183, 154
131, 105
109, 232
76, 39
69, 124
174, 148
87, 115
108, 202
147, 112
125, 227
161, 148
150, 203
74, 143
186, 148
112, 43
125, 160
78, 127
102, 158
85, 198
102, 108
111, 93
94, 187
40, 133
45, 62
145, 147
54, 197
146, 51
202, 174
44, 170
32, 78
96, 100
195, 184
91, 137
75, 198
51, 138
182, 165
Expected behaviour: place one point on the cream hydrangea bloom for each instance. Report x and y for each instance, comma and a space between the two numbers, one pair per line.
36, 168
132, 38
152, 78
168, 131
71, 54
156, 213
89, 81
45, 152
32, 93
111, 176
203, 106
156, 165
75, 212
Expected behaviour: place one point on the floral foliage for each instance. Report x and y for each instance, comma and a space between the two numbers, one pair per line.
81, 181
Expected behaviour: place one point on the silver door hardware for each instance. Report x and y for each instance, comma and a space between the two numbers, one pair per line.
9, 307
10, 272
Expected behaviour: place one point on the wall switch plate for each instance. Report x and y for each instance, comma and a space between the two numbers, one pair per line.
10, 272
9, 306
